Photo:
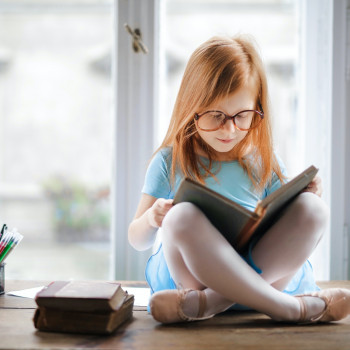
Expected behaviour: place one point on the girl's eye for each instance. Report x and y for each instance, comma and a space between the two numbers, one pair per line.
217, 116
241, 115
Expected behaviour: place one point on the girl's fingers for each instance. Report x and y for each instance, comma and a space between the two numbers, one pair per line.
159, 210
165, 204
168, 202
315, 186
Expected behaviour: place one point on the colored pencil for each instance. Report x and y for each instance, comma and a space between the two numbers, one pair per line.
8, 241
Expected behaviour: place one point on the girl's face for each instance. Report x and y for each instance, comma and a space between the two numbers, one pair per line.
227, 137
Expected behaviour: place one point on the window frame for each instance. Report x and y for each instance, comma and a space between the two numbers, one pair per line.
315, 105
339, 143
135, 107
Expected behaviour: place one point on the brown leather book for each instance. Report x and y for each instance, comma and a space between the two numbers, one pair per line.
236, 223
65, 321
87, 296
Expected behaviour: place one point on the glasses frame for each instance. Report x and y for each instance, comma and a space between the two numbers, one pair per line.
230, 117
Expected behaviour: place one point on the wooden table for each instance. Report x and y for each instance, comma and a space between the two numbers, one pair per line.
232, 330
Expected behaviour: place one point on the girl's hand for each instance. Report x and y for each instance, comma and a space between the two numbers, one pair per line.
158, 210
315, 186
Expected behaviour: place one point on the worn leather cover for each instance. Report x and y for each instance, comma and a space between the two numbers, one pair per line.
82, 296
66, 321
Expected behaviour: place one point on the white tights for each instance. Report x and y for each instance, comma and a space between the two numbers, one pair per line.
199, 257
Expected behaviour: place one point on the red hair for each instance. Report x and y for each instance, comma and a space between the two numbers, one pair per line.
216, 69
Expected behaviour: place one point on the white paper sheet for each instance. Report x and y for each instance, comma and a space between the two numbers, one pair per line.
26, 293
141, 295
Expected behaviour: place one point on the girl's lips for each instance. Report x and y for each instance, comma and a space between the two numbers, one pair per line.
225, 140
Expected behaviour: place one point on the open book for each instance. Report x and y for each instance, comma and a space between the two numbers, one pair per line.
236, 223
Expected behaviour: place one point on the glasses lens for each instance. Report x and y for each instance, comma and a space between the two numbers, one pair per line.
247, 119
211, 120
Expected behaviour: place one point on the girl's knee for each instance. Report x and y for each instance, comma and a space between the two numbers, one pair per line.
181, 219
311, 210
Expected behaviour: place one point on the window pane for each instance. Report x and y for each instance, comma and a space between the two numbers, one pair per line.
273, 23
55, 122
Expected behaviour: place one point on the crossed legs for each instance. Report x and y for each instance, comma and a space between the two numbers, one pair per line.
200, 258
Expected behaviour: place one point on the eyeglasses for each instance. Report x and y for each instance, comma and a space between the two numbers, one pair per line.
243, 121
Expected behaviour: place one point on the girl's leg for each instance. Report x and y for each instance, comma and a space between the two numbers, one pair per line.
182, 276
186, 231
285, 247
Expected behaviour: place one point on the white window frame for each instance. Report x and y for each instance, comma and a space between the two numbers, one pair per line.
135, 86
323, 100
315, 105
325, 44
340, 145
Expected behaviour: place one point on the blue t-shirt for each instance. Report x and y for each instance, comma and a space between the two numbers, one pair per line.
232, 182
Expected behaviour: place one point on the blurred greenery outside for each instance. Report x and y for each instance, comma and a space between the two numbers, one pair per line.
80, 213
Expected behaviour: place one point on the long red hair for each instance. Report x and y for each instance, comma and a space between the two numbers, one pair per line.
215, 70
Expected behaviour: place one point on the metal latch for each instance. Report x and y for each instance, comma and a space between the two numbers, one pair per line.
137, 43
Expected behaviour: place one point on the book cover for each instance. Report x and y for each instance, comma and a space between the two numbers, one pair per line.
67, 321
236, 223
82, 296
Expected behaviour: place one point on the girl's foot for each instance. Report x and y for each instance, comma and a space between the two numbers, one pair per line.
169, 306
337, 305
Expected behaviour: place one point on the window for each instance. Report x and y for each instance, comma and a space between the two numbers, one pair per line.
55, 122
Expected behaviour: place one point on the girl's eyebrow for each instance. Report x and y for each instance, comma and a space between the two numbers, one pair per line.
238, 111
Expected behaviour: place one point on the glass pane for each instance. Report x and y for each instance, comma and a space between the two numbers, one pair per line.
272, 23
55, 123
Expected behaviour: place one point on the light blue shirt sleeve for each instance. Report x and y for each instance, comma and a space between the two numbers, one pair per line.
157, 179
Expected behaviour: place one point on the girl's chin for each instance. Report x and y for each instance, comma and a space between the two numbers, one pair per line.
224, 148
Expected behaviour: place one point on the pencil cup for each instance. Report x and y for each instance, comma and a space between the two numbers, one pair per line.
2, 278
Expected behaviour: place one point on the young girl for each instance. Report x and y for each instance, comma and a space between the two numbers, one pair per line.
220, 135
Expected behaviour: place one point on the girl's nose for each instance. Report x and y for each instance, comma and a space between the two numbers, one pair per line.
229, 126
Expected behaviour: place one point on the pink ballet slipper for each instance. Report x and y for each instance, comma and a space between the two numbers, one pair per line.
166, 306
337, 305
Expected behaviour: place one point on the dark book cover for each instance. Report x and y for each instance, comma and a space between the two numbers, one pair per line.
67, 321
236, 223
82, 296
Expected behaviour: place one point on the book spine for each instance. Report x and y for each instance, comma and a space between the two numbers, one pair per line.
68, 322
248, 231
74, 304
